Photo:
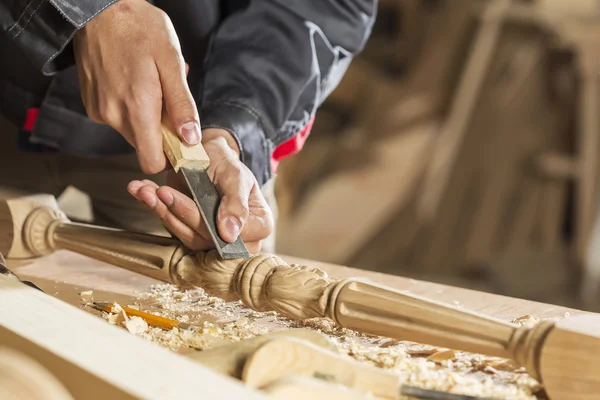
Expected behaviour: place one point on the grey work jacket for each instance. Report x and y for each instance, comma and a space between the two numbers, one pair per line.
258, 68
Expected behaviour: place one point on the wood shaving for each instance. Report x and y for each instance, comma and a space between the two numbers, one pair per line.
443, 355
87, 296
526, 320
215, 322
136, 325
117, 316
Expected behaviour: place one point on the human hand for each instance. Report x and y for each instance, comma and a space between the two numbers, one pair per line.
243, 209
129, 62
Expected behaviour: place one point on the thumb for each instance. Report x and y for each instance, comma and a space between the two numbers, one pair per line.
234, 209
178, 100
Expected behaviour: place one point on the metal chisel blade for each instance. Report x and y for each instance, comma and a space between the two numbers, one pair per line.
207, 199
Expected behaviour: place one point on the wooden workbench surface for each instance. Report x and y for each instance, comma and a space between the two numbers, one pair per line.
65, 275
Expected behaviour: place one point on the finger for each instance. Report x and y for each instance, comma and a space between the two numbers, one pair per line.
143, 114
253, 247
185, 209
134, 186
235, 187
260, 222
178, 100
186, 234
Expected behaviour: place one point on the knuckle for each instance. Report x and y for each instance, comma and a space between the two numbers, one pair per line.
108, 112
181, 102
238, 206
166, 218
143, 96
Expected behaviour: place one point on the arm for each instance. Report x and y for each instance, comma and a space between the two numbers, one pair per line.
42, 29
273, 63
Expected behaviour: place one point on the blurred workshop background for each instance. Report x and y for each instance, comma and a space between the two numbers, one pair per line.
461, 148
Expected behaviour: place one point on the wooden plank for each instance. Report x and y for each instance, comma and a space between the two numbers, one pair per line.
95, 360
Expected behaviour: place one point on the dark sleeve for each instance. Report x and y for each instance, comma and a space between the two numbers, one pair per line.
42, 29
273, 63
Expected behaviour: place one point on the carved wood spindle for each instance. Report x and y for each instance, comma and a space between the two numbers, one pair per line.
563, 355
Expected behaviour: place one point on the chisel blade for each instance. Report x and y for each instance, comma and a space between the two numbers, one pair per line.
207, 199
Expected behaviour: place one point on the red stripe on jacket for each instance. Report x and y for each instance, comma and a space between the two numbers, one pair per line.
291, 146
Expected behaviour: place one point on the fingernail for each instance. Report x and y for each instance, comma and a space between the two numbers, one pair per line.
166, 197
191, 132
150, 200
233, 226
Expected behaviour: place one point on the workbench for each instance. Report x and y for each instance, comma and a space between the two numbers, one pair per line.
66, 275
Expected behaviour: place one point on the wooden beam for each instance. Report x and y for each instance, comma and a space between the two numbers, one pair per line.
95, 360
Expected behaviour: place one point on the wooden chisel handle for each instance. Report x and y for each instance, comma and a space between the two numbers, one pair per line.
180, 154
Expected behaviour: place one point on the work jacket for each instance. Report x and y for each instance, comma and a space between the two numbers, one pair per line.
258, 68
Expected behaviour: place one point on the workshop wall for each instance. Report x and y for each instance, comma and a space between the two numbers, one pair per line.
461, 147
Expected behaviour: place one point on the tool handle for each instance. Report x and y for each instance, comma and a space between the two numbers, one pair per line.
180, 154
290, 356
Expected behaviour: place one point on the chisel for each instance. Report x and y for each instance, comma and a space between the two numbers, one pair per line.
191, 162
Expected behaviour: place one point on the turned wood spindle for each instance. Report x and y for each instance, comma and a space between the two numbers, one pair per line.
563, 355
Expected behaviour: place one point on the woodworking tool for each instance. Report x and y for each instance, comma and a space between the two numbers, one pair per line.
5, 271
191, 163
291, 356
151, 319
427, 394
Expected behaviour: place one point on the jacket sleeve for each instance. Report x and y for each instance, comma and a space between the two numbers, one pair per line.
42, 29
271, 65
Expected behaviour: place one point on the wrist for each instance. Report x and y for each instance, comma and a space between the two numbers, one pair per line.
211, 134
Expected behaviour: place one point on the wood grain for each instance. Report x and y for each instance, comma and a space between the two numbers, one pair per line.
95, 360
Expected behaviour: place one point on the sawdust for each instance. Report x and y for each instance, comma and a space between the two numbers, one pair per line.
216, 322
87, 296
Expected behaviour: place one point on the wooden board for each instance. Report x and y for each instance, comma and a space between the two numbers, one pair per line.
94, 360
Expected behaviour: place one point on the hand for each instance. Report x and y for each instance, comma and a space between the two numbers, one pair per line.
129, 61
243, 209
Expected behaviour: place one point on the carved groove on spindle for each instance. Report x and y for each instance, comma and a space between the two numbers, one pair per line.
525, 346
249, 280
298, 291
333, 307
176, 257
38, 230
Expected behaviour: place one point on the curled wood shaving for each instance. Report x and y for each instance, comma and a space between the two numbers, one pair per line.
136, 325
87, 296
443, 355
526, 320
